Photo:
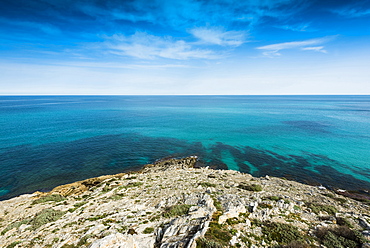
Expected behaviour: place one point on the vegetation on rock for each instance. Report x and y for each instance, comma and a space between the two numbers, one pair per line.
176, 210
251, 187
340, 237
283, 233
52, 198
151, 209
317, 208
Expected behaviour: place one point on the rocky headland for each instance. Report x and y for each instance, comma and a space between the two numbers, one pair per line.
172, 204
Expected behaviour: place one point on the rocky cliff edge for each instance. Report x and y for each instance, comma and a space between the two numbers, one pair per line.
172, 204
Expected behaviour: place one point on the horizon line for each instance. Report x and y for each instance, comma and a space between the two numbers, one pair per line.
185, 94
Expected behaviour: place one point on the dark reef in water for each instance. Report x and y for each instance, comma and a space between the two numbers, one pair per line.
46, 166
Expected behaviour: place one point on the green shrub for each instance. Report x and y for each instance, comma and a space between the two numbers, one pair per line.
83, 240
344, 222
273, 198
330, 195
233, 221
207, 184
135, 184
108, 221
246, 240
41, 218
98, 217
106, 189
176, 210
129, 178
217, 204
69, 246
148, 230
14, 225
76, 206
117, 197
79, 204
155, 218
265, 205
341, 200
73, 223
130, 185
281, 232
12, 245
295, 244
250, 187
333, 241
317, 208
205, 243
217, 234
44, 217
340, 237
53, 197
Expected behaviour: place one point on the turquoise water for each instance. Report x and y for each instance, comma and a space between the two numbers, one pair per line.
51, 140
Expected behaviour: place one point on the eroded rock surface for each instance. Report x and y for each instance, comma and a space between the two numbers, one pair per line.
171, 204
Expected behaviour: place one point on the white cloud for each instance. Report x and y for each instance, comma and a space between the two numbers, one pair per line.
299, 27
217, 36
274, 49
316, 49
145, 46
352, 12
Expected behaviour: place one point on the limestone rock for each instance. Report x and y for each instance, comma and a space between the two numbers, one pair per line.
182, 231
233, 206
363, 222
119, 240
253, 207
171, 204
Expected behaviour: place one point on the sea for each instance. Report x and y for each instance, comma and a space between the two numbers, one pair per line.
46, 141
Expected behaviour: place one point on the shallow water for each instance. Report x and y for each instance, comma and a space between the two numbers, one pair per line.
50, 140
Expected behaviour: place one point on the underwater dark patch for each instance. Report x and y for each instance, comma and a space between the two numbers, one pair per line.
309, 126
46, 166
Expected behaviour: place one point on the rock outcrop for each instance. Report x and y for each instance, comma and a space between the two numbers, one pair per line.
171, 204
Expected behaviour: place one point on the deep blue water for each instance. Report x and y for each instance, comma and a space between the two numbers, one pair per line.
46, 141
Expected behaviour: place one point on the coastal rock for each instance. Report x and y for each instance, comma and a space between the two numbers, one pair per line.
363, 222
253, 207
171, 164
366, 234
182, 231
119, 240
172, 204
233, 206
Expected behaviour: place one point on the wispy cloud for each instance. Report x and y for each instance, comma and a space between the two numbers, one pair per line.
274, 49
352, 12
298, 27
145, 46
360, 8
218, 36
316, 49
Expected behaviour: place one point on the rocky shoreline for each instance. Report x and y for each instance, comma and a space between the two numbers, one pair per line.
172, 204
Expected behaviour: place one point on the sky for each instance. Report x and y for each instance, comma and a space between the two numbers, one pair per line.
190, 47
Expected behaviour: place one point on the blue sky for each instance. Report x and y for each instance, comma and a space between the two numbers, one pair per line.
184, 47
